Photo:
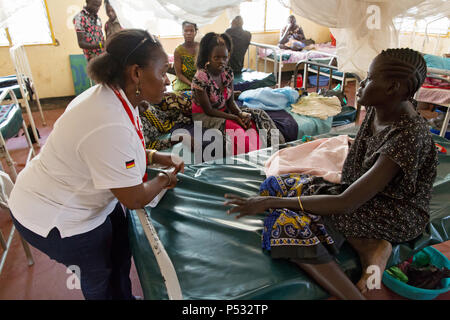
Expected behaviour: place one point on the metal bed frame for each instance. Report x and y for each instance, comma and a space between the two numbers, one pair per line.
447, 114
329, 74
278, 62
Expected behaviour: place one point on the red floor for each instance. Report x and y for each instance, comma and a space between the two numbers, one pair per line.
47, 279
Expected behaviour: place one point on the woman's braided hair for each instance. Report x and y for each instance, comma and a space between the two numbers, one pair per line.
408, 65
208, 43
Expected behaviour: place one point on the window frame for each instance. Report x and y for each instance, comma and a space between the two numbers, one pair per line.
265, 30
253, 32
52, 33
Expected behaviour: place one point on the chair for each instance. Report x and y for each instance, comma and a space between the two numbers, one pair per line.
26, 84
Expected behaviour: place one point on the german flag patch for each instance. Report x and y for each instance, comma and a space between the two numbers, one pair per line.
129, 164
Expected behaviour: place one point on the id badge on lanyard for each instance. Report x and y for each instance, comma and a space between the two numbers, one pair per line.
136, 124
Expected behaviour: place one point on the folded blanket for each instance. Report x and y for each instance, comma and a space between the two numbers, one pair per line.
323, 158
269, 99
433, 95
315, 105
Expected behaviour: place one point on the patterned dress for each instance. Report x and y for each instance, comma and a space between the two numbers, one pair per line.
289, 234
91, 27
162, 118
218, 98
401, 211
188, 68
397, 214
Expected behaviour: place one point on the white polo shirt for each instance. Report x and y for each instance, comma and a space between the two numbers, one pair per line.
93, 148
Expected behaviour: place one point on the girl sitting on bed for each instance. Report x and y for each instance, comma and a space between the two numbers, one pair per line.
385, 190
213, 98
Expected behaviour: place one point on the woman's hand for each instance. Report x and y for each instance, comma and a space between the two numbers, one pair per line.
246, 206
143, 106
169, 160
246, 118
239, 121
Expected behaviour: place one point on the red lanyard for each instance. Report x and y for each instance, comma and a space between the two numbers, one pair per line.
136, 123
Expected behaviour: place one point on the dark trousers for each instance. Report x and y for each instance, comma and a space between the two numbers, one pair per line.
102, 255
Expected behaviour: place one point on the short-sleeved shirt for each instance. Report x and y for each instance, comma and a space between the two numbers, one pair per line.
203, 81
241, 40
401, 211
91, 27
93, 147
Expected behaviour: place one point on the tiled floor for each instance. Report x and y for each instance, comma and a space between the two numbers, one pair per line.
46, 279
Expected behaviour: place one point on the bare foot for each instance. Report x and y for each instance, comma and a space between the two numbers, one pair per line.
372, 252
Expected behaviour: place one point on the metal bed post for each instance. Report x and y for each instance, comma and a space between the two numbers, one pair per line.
248, 57
3, 150
256, 58
280, 66
277, 62
20, 65
306, 63
26, 67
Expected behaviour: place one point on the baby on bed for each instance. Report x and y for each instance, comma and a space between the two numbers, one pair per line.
385, 190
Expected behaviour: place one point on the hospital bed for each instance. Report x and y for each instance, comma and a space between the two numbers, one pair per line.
281, 57
326, 69
23, 86
437, 96
210, 255
11, 121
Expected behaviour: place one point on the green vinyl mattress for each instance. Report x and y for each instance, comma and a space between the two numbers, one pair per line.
10, 120
252, 79
218, 257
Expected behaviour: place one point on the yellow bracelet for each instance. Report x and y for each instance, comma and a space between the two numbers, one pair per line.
168, 176
150, 154
300, 203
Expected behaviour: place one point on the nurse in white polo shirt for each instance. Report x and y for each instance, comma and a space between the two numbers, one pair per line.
66, 202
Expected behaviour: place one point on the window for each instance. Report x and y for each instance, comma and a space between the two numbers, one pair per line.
431, 25
276, 16
157, 22
263, 15
169, 28
253, 15
30, 24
